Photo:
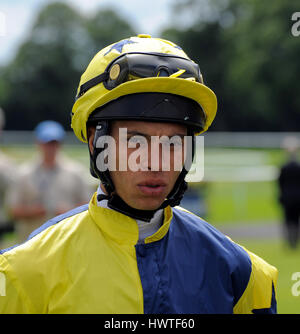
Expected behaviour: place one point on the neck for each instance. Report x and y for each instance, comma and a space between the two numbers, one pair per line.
116, 203
146, 228
49, 164
103, 189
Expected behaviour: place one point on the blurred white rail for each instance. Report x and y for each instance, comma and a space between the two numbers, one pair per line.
211, 139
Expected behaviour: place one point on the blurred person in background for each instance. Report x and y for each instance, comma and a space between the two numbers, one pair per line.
7, 173
289, 188
46, 187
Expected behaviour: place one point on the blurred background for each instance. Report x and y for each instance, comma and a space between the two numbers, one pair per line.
248, 52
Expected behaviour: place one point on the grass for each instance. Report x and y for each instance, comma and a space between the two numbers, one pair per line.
242, 185
235, 203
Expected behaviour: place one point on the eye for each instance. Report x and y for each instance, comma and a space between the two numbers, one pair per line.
177, 142
136, 141
173, 142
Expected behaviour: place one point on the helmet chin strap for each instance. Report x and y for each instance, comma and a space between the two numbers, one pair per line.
116, 203
114, 200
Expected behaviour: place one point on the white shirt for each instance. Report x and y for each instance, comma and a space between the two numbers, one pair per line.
145, 228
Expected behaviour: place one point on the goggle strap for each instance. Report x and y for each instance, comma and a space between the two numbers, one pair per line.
91, 83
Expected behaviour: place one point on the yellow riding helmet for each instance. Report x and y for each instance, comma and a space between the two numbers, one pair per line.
105, 80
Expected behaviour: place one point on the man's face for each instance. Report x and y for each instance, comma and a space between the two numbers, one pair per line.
49, 151
146, 189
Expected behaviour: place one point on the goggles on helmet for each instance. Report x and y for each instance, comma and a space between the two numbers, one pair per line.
137, 65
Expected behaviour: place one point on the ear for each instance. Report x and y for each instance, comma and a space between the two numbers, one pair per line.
91, 134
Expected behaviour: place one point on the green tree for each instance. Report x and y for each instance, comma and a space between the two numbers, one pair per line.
41, 82
105, 28
264, 66
249, 58
40, 79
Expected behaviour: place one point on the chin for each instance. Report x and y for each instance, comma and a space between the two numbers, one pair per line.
149, 205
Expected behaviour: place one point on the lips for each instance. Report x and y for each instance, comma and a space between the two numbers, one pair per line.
152, 187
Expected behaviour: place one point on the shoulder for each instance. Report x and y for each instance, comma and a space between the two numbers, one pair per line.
217, 246
70, 166
221, 256
290, 166
5, 161
260, 294
35, 264
73, 172
32, 269
26, 170
253, 279
46, 237
215, 241
210, 237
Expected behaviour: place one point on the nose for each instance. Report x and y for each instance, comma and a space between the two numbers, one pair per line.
157, 157
151, 155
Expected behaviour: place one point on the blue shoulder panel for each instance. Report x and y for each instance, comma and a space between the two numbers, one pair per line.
193, 269
51, 222
57, 219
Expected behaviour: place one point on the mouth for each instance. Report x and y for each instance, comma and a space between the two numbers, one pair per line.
152, 188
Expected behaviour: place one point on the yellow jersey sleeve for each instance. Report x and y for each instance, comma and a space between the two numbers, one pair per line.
260, 293
12, 297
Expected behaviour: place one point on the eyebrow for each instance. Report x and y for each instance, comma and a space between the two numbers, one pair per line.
137, 133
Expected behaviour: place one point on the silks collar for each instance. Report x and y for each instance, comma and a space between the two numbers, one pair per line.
124, 229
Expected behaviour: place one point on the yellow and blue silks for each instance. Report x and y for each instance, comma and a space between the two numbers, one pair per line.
88, 261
